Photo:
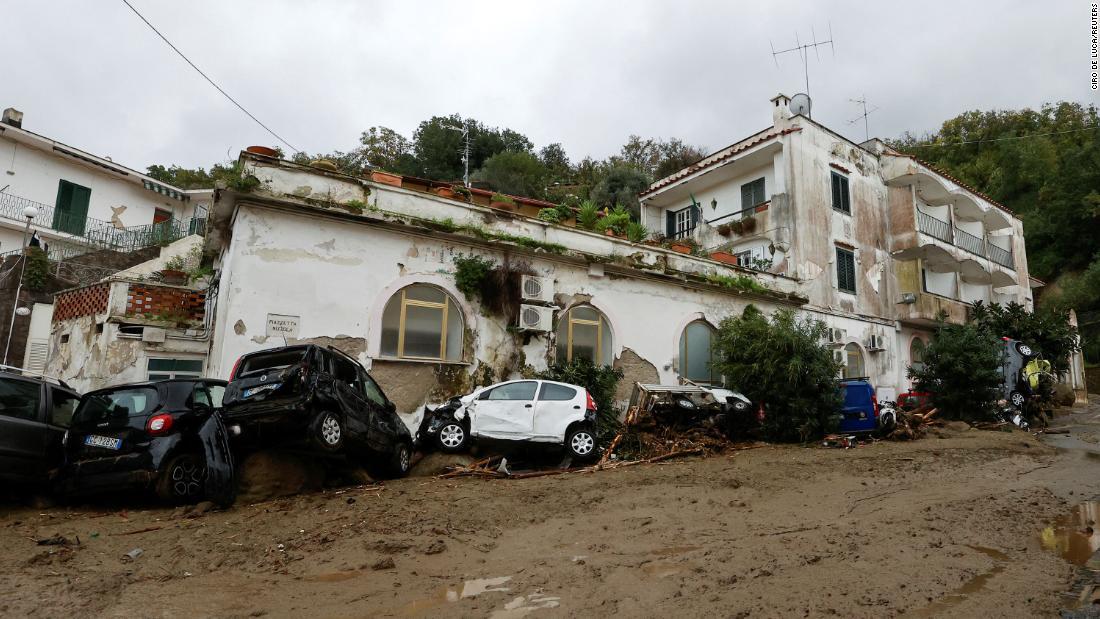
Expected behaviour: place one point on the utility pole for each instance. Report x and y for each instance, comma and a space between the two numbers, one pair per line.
465, 129
803, 50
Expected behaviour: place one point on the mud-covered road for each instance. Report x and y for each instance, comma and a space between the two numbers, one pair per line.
945, 526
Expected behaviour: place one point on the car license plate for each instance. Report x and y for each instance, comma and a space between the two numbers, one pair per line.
251, 391
105, 442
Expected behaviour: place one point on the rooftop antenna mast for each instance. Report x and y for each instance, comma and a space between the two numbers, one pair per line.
803, 50
866, 112
465, 130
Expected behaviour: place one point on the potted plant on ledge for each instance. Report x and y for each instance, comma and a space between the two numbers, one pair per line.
503, 202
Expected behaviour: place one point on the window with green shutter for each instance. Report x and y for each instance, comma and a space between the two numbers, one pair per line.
752, 194
841, 200
70, 213
845, 270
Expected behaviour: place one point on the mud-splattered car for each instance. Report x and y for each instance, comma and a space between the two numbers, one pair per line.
518, 411
318, 398
165, 436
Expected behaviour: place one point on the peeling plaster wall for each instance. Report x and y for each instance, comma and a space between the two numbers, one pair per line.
336, 275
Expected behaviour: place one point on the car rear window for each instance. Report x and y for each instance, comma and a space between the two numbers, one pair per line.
271, 361
120, 403
556, 393
19, 398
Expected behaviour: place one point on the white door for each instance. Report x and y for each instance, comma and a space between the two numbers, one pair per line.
505, 411
557, 407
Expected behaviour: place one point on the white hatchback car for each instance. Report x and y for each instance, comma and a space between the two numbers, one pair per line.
538, 411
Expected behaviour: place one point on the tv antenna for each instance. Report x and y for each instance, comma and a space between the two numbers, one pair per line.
465, 130
803, 50
866, 112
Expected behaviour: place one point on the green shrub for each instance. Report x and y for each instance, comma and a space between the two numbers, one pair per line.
470, 274
36, 272
551, 215
743, 283
615, 220
962, 371
636, 232
499, 197
1047, 330
588, 215
782, 364
355, 206
600, 381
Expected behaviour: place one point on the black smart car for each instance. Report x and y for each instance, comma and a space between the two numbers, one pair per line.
166, 436
34, 414
321, 397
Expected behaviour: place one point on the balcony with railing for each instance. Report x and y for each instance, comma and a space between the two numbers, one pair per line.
87, 233
946, 232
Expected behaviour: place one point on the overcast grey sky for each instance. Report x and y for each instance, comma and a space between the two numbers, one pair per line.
580, 72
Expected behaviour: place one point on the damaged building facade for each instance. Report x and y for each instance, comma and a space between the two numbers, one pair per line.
880, 242
870, 241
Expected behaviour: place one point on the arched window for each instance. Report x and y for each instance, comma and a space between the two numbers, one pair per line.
583, 333
853, 367
916, 354
697, 355
422, 322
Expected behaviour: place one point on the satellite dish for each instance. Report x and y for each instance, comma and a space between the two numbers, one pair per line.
800, 105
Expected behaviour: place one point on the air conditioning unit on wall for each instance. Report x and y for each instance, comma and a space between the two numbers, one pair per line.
539, 289
835, 336
876, 342
839, 357
536, 318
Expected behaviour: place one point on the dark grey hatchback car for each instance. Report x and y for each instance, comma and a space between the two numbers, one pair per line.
35, 413
317, 397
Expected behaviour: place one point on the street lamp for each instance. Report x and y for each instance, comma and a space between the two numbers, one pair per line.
30, 212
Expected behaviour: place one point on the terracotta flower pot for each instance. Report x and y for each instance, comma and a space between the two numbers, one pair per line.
386, 178
722, 256
506, 206
680, 248
609, 232
263, 150
445, 192
763, 207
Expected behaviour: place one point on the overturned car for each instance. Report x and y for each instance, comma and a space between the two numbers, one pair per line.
691, 405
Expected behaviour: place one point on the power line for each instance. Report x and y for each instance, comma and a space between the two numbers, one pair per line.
206, 77
1015, 137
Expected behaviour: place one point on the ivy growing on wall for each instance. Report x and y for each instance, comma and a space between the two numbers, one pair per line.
36, 273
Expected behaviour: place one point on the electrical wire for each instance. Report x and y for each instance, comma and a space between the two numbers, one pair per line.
1015, 137
207, 78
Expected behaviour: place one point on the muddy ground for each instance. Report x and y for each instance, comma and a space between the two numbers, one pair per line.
945, 526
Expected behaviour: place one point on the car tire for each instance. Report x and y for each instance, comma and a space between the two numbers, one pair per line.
580, 442
1024, 349
183, 479
400, 461
1016, 399
453, 437
328, 431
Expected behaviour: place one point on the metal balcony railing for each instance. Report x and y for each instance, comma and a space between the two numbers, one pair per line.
96, 233
969, 242
934, 227
1001, 256
962, 239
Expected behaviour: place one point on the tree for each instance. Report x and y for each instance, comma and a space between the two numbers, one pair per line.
782, 364
621, 186
556, 162
184, 178
516, 173
675, 155
438, 145
962, 371
387, 149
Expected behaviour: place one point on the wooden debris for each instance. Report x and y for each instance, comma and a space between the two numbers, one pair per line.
912, 424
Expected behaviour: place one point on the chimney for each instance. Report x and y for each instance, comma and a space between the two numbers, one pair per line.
13, 117
781, 109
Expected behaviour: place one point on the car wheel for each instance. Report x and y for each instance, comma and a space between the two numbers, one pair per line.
740, 406
1023, 349
581, 443
183, 480
452, 437
328, 431
1016, 399
401, 460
